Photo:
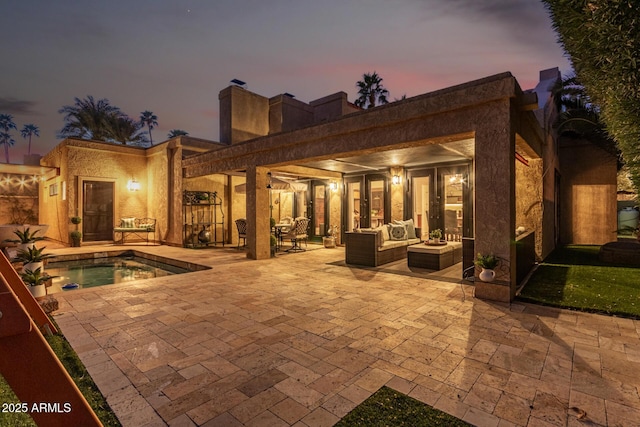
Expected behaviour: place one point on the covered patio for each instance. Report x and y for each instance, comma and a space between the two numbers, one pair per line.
479, 125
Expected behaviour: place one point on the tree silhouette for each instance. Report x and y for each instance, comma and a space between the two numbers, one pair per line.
371, 91
177, 132
6, 124
88, 118
147, 118
28, 131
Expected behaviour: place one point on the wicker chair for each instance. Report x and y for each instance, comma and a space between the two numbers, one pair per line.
298, 233
241, 223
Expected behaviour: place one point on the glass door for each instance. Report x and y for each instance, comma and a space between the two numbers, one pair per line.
319, 210
378, 205
441, 198
452, 198
97, 211
424, 205
353, 204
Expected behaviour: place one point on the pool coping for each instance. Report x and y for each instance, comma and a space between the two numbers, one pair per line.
190, 266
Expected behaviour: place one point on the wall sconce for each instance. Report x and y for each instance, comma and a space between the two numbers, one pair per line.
396, 179
333, 186
133, 185
269, 183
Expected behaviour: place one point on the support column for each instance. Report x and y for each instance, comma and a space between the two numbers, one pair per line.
258, 224
495, 200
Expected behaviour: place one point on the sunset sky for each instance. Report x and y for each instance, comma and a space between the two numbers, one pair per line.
173, 56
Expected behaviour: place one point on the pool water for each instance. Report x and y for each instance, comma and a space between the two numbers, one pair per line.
92, 272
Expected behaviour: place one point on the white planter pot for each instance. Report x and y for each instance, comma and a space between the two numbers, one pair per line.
26, 246
487, 275
38, 291
33, 266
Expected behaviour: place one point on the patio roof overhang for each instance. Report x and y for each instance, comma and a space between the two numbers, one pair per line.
446, 118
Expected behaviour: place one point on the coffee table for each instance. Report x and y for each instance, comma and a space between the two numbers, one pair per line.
434, 257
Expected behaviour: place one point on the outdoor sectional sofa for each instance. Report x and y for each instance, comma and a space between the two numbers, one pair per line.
370, 248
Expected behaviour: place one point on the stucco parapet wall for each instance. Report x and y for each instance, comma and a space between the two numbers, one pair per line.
445, 103
103, 146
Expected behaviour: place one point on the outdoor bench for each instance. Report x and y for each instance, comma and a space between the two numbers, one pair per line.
140, 227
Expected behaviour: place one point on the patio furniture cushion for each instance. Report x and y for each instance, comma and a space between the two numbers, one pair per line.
411, 229
127, 222
398, 232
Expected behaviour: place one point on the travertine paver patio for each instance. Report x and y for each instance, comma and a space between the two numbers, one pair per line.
301, 340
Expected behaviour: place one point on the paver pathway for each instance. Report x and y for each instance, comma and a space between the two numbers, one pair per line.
301, 340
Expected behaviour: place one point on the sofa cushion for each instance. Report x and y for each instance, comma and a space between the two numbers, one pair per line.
390, 244
384, 230
397, 232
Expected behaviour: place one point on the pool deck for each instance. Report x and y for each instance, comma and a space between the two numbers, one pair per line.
302, 339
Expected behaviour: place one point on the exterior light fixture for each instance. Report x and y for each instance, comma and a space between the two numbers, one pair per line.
333, 186
269, 183
396, 179
133, 185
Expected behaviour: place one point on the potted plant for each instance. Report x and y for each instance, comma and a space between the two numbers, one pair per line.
32, 258
26, 238
76, 238
487, 263
76, 220
273, 242
436, 235
36, 280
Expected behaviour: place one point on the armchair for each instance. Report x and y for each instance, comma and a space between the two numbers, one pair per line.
298, 233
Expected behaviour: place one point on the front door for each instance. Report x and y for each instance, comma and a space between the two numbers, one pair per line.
97, 211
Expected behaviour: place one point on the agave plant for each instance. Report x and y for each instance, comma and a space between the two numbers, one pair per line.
32, 254
35, 278
25, 236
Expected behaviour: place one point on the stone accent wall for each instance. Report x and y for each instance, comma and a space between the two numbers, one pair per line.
529, 199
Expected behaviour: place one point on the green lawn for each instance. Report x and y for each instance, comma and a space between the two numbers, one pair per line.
387, 407
78, 372
573, 277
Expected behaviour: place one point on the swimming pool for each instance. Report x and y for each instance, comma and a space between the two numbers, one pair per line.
108, 269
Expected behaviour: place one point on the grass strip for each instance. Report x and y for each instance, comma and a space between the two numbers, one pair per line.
387, 407
573, 277
81, 377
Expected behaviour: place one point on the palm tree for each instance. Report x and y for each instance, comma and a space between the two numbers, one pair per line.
6, 124
29, 130
150, 120
88, 118
371, 91
177, 132
124, 129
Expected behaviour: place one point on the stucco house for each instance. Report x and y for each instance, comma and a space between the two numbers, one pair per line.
477, 160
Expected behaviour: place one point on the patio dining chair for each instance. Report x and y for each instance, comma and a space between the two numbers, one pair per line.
298, 233
241, 223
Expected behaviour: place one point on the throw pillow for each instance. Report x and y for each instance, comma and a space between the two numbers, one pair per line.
384, 229
411, 229
127, 222
398, 232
